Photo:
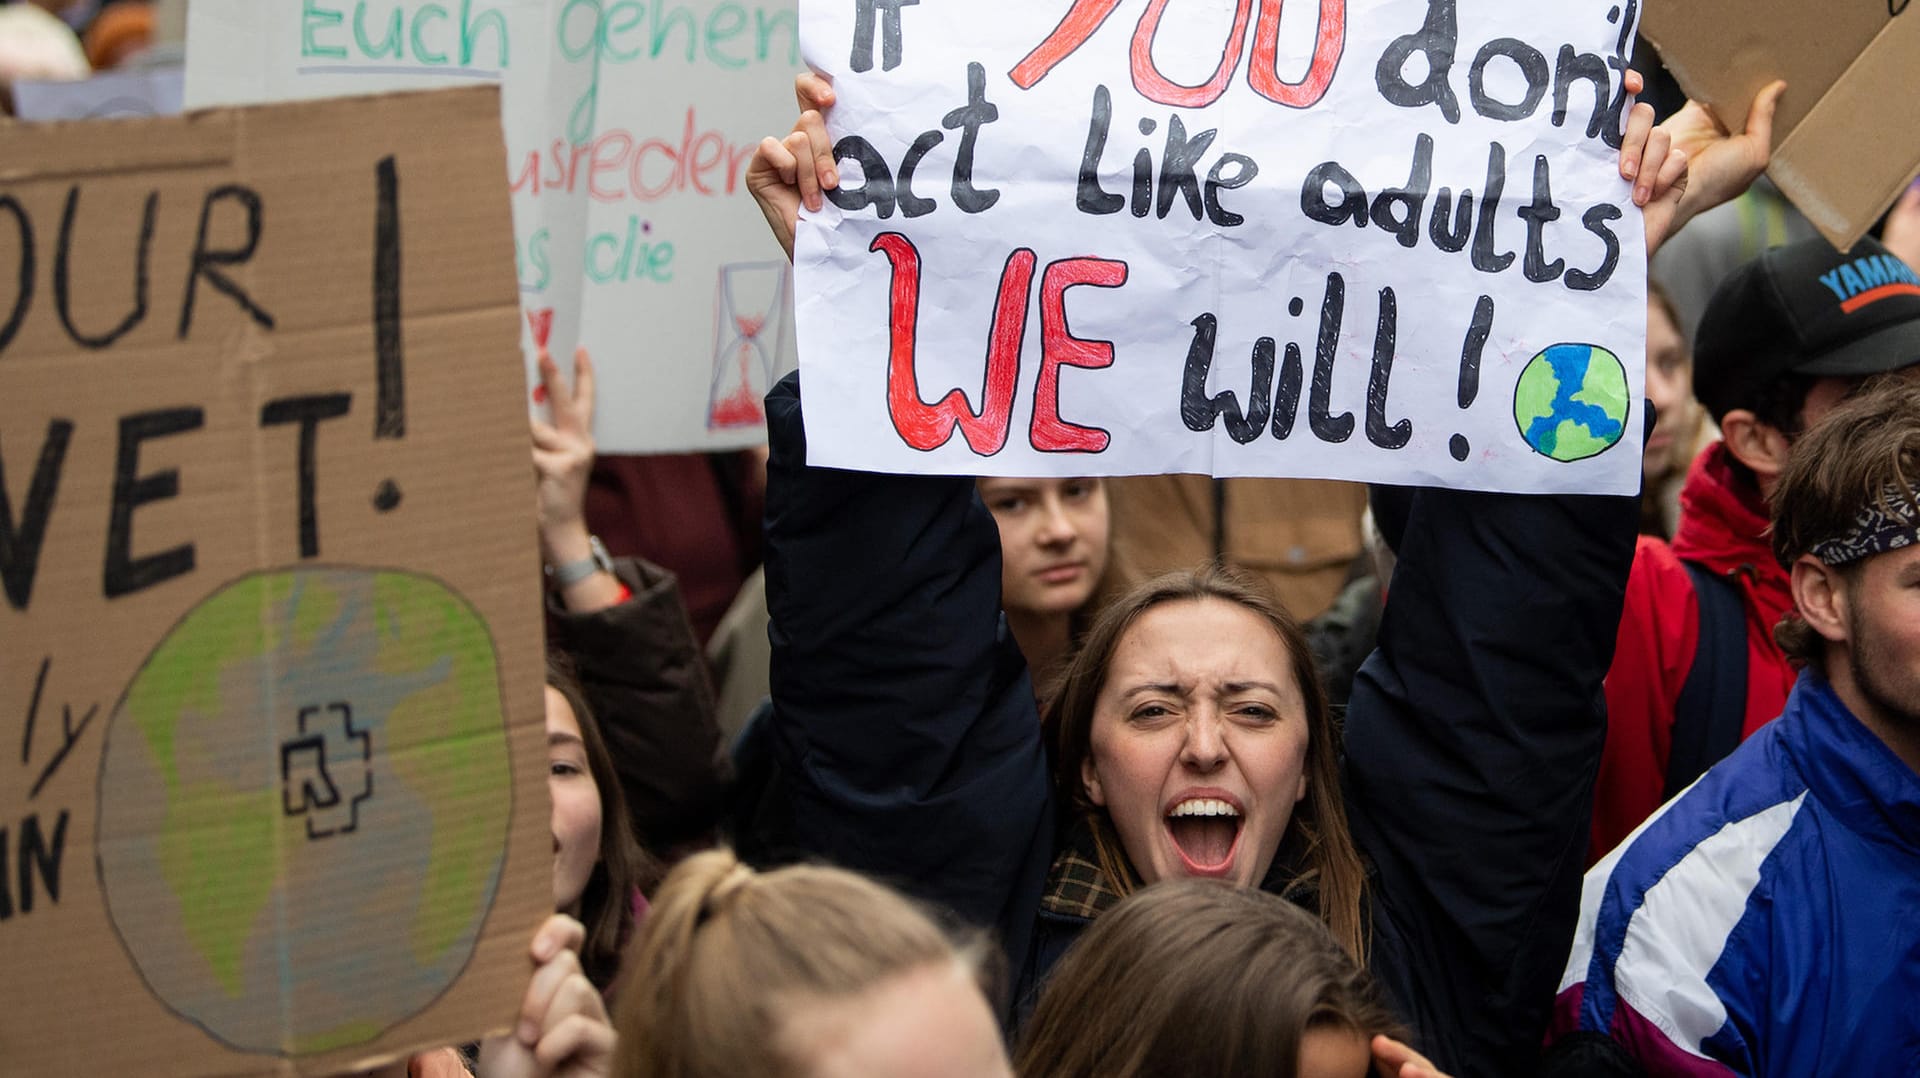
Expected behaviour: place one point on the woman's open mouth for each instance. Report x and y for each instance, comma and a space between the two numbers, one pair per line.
1206, 834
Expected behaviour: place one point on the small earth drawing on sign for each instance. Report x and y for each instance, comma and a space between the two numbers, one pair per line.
1572, 402
304, 806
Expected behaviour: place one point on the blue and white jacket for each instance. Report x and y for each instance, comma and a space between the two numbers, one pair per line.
1767, 920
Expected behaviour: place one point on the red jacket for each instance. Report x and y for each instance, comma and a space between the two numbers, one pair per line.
1723, 524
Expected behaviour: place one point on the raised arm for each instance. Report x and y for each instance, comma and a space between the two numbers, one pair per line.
1472, 740
903, 724
625, 629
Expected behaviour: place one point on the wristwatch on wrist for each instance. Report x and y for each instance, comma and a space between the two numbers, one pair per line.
573, 572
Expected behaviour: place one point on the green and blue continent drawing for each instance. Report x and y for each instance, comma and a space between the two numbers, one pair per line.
1571, 402
304, 806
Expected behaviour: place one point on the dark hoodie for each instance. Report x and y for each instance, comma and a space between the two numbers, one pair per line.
906, 744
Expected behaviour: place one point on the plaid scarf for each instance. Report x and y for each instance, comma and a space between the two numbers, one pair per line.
1076, 884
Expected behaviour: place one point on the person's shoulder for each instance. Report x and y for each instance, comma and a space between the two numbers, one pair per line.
1660, 598
1710, 844
1657, 567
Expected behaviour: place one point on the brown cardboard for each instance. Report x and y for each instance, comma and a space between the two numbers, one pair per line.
301, 817
1847, 137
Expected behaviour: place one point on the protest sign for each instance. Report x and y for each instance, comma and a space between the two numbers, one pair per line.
1381, 240
143, 91
1846, 138
274, 795
629, 127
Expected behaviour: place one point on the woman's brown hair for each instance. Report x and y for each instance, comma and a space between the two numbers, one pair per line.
606, 905
726, 948
1191, 977
1317, 841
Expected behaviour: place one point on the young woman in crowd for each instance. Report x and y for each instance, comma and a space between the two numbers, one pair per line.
1054, 540
1681, 427
598, 868
1187, 977
625, 631
563, 1030
801, 972
1191, 737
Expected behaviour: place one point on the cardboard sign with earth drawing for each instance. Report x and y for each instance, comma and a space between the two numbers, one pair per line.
271, 763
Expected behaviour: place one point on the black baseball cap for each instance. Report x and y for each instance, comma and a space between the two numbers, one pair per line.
1805, 308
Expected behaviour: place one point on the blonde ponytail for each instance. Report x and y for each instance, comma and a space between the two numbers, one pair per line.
726, 948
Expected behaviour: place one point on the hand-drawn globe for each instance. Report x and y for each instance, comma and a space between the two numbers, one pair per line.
304, 803
1572, 402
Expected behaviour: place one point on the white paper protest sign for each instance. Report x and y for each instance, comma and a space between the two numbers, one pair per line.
1381, 240
629, 127
111, 95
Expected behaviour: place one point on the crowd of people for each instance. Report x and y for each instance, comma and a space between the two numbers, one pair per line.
879, 775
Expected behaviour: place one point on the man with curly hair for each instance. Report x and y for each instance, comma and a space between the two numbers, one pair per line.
1761, 923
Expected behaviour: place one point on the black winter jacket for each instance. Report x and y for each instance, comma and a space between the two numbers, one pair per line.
907, 746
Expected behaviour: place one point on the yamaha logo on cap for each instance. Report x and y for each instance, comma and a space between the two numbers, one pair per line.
1806, 309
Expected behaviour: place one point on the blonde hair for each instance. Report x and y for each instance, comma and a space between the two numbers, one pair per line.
726, 948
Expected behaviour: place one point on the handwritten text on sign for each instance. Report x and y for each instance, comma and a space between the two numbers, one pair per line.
1382, 240
629, 126
270, 660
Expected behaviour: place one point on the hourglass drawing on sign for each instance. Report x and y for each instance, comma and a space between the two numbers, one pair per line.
749, 332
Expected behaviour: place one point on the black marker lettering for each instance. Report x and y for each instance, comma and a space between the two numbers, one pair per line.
1538, 216
912, 205
1089, 196
1326, 427
1409, 200
1353, 197
1596, 221
1379, 432
206, 261
1484, 257
1436, 39
309, 412
876, 183
390, 405
969, 118
1177, 169
20, 540
1533, 68
63, 276
23, 295
124, 574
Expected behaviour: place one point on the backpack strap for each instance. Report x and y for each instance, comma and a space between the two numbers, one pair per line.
1712, 709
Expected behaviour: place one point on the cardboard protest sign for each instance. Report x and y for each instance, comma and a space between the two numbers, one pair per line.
1381, 240
629, 128
1846, 137
273, 664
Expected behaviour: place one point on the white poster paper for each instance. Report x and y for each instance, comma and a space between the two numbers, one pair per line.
1380, 240
629, 127
114, 95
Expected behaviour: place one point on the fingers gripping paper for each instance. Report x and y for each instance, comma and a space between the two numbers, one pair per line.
1383, 240
273, 797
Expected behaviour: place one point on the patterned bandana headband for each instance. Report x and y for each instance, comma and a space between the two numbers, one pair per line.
1892, 522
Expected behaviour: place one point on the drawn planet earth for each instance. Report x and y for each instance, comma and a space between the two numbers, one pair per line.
1571, 402
304, 806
